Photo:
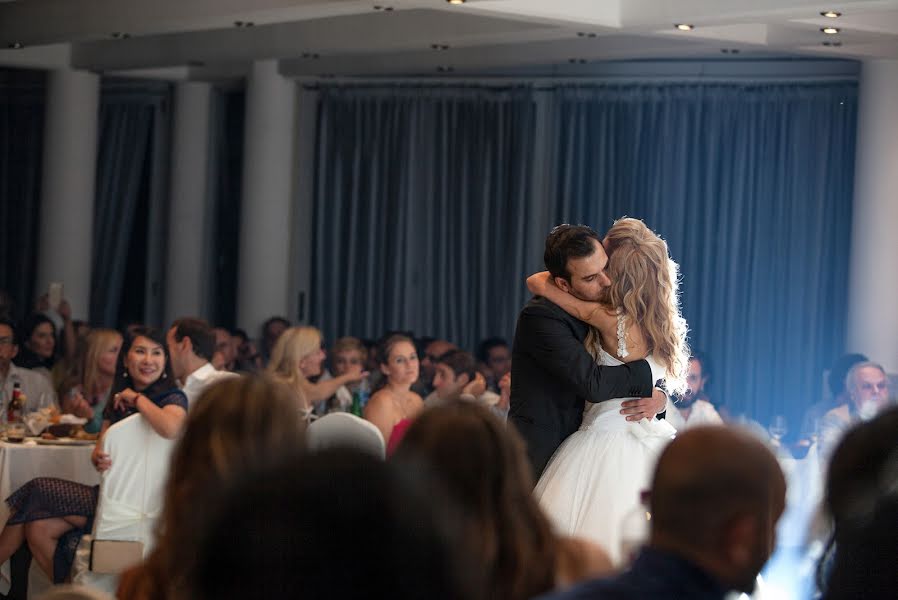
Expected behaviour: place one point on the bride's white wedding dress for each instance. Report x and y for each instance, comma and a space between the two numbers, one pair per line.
595, 477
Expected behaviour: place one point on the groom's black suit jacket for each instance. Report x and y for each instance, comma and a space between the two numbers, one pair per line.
552, 375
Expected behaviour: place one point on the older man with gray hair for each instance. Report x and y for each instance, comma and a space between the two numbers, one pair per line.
867, 385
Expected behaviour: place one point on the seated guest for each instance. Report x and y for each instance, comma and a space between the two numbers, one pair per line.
297, 357
191, 344
249, 360
225, 352
433, 349
716, 496
693, 409
346, 355
868, 393
234, 426
338, 525
456, 370
52, 514
271, 331
495, 356
395, 404
85, 391
486, 472
32, 384
838, 395
37, 344
861, 501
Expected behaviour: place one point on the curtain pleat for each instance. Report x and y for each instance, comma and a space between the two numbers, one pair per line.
22, 105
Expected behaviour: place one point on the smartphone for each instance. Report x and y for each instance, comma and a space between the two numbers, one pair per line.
54, 295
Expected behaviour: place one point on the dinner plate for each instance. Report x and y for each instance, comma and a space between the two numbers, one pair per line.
63, 442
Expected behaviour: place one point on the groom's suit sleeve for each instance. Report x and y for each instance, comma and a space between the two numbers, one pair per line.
552, 345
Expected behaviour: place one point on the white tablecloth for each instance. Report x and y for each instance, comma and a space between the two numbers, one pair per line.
21, 463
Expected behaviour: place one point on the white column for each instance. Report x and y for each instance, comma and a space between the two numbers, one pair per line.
67, 189
189, 224
264, 267
873, 320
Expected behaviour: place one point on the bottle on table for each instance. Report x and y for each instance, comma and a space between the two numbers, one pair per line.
360, 396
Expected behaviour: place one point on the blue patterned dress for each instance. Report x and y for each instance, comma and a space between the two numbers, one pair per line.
48, 497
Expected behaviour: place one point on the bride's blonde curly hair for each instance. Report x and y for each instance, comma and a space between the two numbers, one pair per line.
645, 288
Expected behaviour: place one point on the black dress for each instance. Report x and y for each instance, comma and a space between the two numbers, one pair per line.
48, 497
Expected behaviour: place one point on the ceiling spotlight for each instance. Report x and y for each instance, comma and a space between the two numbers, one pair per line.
830, 30
455, 1
684, 26
831, 14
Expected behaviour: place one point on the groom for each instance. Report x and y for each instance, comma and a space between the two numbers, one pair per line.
552, 373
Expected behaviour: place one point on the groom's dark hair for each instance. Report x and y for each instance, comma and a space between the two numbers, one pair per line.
568, 241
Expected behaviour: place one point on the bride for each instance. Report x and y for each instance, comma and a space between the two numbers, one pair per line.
596, 476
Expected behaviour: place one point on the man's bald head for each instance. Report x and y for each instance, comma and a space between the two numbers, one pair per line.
716, 496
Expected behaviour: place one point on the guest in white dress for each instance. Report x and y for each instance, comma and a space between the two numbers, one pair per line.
595, 477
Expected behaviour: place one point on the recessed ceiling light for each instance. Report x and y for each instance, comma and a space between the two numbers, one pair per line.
830, 30
455, 1
684, 26
831, 14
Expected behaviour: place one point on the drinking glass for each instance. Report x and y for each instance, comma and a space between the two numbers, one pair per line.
777, 428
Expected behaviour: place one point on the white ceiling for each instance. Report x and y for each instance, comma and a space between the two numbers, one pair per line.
200, 39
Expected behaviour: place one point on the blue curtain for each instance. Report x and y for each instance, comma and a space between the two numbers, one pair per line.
751, 185
421, 211
432, 205
132, 126
22, 102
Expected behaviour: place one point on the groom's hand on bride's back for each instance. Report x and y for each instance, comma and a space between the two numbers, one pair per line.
644, 408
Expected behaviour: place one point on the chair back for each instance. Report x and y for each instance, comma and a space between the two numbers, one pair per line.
345, 430
131, 494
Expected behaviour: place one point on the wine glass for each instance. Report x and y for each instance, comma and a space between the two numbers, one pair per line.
777, 428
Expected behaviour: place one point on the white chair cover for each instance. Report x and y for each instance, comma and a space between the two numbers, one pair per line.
131, 494
342, 430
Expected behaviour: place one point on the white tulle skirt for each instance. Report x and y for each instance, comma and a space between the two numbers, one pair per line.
595, 477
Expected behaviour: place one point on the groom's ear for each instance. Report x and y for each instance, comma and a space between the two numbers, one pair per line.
563, 284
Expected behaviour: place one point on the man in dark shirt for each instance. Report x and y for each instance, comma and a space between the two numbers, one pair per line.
716, 496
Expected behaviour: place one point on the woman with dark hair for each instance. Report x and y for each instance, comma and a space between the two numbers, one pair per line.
235, 425
52, 514
338, 524
485, 469
860, 498
37, 344
394, 405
